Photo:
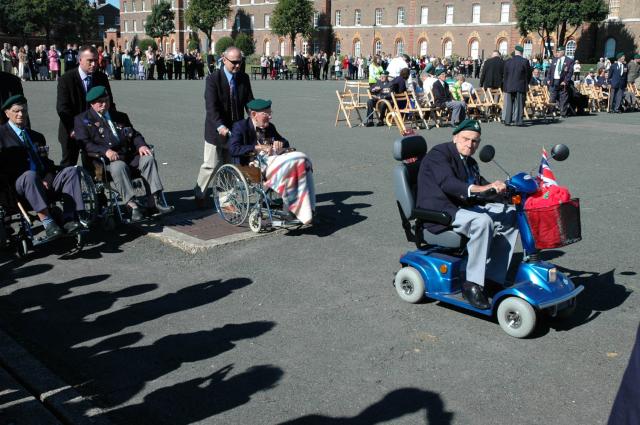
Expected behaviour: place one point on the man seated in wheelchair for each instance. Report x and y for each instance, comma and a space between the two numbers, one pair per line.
111, 136
447, 181
287, 172
25, 165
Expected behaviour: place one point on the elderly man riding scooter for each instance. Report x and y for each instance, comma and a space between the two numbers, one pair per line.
449, 180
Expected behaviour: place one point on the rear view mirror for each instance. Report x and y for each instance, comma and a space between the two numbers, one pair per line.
560, 152
487, 153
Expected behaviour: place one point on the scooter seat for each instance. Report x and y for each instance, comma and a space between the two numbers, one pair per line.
446, 239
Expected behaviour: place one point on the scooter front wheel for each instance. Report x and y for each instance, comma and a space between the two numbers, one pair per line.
516, 317
409, 284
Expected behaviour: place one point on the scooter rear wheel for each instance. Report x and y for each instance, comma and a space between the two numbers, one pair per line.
409, 285
516, 317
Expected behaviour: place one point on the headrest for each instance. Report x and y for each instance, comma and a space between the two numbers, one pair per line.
409, 147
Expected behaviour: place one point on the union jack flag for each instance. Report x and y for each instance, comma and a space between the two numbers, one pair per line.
546, 177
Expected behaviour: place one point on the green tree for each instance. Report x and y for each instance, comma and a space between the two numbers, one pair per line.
222, 45
293, 17
205, 14
562, 17
245, 43
146, 42
160, 23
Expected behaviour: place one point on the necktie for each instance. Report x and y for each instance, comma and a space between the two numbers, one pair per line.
34, 160
559, 67
232, 85
232, 90
88, 80
621, 69
470, 176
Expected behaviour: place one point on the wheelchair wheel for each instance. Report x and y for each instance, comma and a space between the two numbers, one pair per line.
231, 195
409, 285
89, 197
255, 220
23, 247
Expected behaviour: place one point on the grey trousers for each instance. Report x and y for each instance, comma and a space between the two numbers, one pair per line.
66, 186
492, 233
214, 158
618, 95
458, 110
513, 108
561, 95
122, 181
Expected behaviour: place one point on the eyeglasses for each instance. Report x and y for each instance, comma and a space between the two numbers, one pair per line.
238, 62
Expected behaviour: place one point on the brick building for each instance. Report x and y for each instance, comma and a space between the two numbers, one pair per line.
415, 27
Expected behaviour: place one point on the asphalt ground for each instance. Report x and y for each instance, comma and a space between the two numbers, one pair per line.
305, 327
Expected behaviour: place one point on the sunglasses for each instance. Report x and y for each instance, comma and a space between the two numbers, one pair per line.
238, 62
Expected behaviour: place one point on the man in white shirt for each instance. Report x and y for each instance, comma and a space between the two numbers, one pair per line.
398, 64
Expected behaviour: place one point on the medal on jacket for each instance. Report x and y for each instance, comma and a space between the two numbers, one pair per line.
101, 131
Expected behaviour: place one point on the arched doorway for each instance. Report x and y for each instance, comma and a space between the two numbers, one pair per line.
474, 49
447, 48
610, 48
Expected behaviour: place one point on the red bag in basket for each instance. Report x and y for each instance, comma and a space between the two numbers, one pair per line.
544, 218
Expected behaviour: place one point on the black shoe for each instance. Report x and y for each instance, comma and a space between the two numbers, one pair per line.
71, 226
380, 124
473, 293
137, 214
53, 231
369, 124
160, 207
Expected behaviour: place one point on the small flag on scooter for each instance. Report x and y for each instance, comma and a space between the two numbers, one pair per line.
545, 175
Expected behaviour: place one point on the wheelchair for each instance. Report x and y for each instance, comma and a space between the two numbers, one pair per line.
239, 196
109, 208
17, 225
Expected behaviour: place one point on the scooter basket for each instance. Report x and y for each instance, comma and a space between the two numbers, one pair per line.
556, 225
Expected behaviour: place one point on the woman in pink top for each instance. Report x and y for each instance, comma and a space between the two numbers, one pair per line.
54, 66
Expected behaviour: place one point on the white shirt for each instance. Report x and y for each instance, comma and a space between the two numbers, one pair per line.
83, 77
558, 68
395, 66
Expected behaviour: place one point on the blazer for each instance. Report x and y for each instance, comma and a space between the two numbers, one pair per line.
491, 73
443, 182
517, 73
217, 100
616, 80
94, 135
441, 93
71, 99
244, 138
14, 156
10, 85
566, 73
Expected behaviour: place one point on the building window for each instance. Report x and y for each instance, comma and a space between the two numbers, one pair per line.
528, 48
423, 48
133, 6
316, 17
338, 18
173, 4
614, 9
224, 24
338, 47
399, 47
126, 26
401, 16
358, 17
124, 6
267, 21
135, 26
503, 47
610, 47
117, 21
316, 47
100, 19
267, 47
447, 48
143, 6
474, 49
475, 13
378, 47
424, 15
237, 24
283, 47
252, 19
449, 16
305, 47
238, 2
101, 34
570, 48
504, 12
378, 16
357, 50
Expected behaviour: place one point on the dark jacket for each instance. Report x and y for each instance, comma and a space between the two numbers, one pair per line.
14, 156
244, 138
517, 73
217, 99
441, 93
399, 85
566, 73
491, 74
71, 99
626, 409
10, 85
95, 136
616, 80
443, 182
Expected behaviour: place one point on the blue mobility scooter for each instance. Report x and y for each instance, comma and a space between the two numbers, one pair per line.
436, 268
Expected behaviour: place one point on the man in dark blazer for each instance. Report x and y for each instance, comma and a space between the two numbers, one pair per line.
559, 79
618, 74
255, 134
25, 164
517, 73
10, 85
626, 409
443, 99
447, 178
110, 134
72, 90
227, 92
491, 73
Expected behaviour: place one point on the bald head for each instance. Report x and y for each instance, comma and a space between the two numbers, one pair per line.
232, 59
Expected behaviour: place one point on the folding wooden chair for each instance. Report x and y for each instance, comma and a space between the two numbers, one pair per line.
347, 104
441, 115
404, 108
496, 100
474, 110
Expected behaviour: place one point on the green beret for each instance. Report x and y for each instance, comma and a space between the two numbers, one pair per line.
96, 93
440, 71
384, 73
619, 55
258, 105
519, 48
636, 56
13, 100
560, 49
467, 124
